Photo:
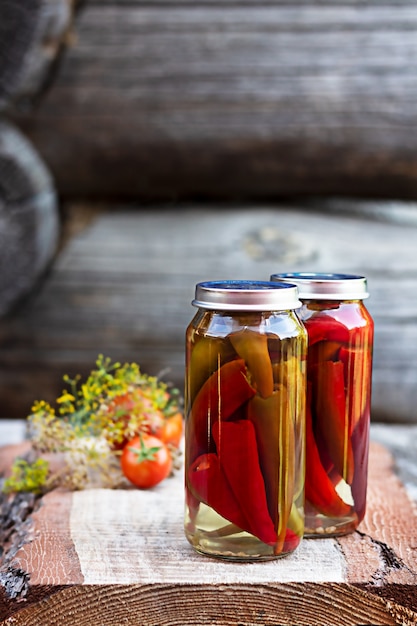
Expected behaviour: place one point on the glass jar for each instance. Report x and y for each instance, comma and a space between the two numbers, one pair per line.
244, 407
339, 371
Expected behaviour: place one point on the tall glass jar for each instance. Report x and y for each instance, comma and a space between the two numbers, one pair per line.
244, 407
339, 369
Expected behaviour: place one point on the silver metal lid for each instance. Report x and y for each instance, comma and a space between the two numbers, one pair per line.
322, 286
246, 295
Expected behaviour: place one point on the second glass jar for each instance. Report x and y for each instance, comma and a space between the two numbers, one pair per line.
339, 366
245, 432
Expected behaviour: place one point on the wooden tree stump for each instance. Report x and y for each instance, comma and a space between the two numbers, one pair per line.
120, 557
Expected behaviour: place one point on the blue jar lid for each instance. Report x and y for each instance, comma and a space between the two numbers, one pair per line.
246, 295
325, 286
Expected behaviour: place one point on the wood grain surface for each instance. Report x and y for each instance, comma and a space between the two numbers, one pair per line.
123, 284
116, 557
227, 99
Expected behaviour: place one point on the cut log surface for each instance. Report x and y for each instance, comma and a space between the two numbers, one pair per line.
225, 98
29, 220
123, 286
32, 33
120, 557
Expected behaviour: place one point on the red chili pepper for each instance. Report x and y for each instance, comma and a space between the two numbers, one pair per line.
219, 398
253, 348
319, 489
207, 483
238, 456
323, 327
332, 420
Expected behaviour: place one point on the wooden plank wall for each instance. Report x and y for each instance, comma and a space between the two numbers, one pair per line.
219, 100
227, 98
123, 286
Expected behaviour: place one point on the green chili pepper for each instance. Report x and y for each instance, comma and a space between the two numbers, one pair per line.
274, 430
253, 348
206, 356
291, 374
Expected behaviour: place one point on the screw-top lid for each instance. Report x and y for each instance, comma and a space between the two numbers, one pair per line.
322, 286
246, 295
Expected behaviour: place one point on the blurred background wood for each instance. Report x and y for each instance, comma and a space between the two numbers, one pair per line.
123, 284
210, 99
184, 141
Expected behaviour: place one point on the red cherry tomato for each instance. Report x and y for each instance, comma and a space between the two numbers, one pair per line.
171, 430
146, 461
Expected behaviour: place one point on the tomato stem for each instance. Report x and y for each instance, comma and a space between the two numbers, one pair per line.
143, 453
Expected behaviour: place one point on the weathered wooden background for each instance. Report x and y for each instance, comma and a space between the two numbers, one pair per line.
161, 131
123, 285
233, 98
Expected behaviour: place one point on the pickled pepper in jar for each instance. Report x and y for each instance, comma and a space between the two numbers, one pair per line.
244, 405
339, 372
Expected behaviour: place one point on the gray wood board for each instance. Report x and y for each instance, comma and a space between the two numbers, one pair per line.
218, 98
123, 287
